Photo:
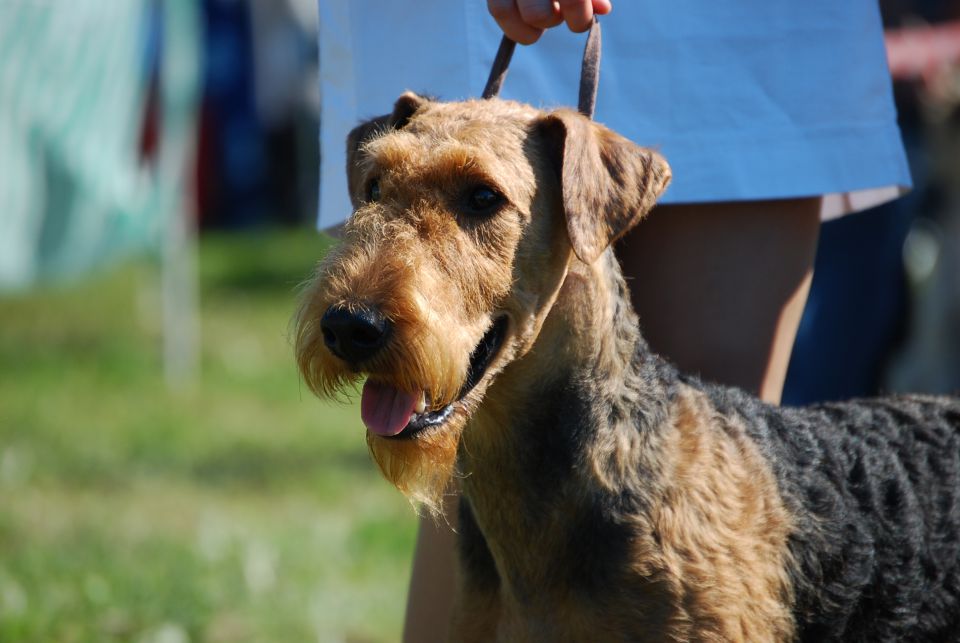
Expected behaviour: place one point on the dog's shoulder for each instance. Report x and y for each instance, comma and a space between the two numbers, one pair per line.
873, 486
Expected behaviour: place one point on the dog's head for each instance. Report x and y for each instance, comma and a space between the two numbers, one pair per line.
466, 219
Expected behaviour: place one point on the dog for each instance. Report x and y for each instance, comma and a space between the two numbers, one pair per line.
605, 496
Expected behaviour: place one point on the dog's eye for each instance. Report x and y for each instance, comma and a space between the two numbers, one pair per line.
373, 191
484, 200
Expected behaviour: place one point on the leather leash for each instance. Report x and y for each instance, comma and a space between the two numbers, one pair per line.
589, 70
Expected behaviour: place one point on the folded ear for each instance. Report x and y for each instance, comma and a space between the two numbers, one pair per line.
403, 109
608, 183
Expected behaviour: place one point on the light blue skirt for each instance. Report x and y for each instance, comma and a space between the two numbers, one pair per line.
747, 101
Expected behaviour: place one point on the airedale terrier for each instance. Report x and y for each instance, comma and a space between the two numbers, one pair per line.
605, 496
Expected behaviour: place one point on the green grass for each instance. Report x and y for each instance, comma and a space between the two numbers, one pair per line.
240, 509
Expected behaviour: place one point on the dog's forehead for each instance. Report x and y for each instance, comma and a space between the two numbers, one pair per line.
493, 109
444, 138
483, 123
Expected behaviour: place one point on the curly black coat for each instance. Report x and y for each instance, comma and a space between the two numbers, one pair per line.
874, 486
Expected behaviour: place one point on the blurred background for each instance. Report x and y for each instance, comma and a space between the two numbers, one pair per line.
164, 475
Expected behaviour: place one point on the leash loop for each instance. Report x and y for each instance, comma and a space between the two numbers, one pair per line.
589, 70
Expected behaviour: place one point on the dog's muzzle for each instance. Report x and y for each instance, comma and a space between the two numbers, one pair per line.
390, 412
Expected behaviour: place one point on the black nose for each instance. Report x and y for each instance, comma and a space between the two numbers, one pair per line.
354, 334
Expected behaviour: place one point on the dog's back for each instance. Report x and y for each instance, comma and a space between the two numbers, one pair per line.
874, 487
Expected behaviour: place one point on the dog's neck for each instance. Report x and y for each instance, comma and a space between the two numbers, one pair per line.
603, 470
589, 346
584, 403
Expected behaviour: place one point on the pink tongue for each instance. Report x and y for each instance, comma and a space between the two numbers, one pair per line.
384, 409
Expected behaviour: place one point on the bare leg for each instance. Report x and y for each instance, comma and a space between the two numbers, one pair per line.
720, 289
433, 581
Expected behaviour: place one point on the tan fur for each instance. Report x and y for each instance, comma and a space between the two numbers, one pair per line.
476, 616
708, 558
723, 532
717, 570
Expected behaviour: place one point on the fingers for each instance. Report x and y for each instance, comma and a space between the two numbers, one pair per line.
541, 14
525, 20
602, 7
578, 14
508, 16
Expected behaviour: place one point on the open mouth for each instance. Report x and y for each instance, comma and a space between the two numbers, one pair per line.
393, 414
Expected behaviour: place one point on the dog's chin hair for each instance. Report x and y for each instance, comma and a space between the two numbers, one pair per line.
421, 468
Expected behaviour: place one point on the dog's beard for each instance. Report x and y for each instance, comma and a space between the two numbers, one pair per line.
429, 353
428, 357
421, 467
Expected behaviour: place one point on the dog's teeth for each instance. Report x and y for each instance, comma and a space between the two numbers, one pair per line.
422, 404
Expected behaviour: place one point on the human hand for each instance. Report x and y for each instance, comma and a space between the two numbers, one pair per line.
525, 20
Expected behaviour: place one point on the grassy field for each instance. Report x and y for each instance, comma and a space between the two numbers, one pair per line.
242, 509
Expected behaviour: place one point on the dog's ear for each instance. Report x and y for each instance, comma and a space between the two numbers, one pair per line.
608, 183
403, 109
